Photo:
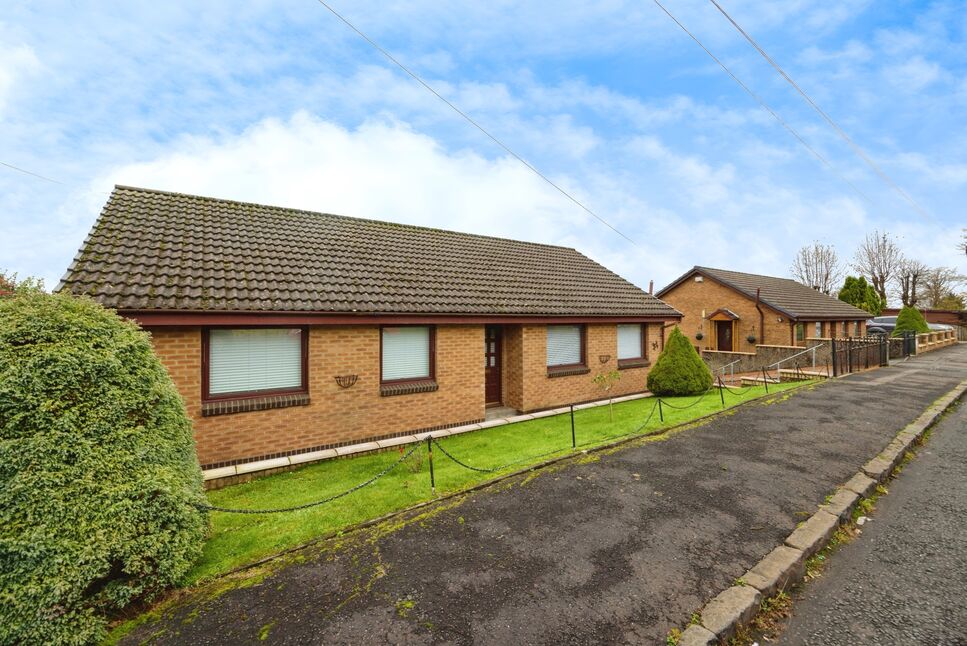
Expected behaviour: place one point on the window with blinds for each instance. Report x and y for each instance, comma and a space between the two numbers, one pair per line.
247, 361
629, 342
564, 345
406, 353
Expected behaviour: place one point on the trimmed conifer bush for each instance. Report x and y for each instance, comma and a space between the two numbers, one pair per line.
910, 320
98, 471
679, 370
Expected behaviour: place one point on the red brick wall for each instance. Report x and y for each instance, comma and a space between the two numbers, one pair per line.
512, 370
334, 415
541, 391
691, 299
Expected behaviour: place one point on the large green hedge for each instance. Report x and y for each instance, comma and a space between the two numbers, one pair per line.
98, 471
679, 370
910, 320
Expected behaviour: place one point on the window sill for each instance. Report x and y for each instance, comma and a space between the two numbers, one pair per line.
408, 388
230, 406
624, 364
566, 371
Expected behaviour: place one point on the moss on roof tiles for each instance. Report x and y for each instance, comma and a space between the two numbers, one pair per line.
320, 262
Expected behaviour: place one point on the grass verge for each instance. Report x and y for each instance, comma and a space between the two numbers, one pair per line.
237, 540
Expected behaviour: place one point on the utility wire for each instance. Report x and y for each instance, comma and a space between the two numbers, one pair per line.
859, 151
470, 120
761, 102
27, 172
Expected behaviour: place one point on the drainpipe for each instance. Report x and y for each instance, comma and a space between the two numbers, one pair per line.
762, 318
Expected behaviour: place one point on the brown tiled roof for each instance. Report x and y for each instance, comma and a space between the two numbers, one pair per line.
783, 294
153, 250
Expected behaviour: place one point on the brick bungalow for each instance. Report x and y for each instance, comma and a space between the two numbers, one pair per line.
287, 331
721, 310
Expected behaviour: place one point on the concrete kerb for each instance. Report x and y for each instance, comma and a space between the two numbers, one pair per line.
696, 635
785, 565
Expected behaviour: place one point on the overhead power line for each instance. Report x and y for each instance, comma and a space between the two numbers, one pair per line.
471, 121
32, 174
765, 105
859, 151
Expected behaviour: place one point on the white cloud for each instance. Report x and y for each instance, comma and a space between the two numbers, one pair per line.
915, 74
16, 62
381, 170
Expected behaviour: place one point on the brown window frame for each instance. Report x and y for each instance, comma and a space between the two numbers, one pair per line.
642, 359
409, 380
207, 397
800, 333
584, 349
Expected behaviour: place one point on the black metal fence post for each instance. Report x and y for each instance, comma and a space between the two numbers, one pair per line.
722, 392
574, 441
429, 454
661, 415
765, 380
832, 355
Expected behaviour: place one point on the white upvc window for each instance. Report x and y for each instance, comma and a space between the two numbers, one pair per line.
819, 329
257, 360
565, 345
856, 328
630, 342
407, 353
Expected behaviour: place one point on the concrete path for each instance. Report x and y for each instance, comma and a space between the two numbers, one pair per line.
905, 580
617, 550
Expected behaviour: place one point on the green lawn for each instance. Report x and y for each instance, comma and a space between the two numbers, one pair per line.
239, 539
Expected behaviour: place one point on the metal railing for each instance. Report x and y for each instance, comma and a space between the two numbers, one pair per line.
730, 367
779, 363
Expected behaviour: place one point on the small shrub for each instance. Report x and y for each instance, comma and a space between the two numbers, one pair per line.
910, 320
679, 370
97, 470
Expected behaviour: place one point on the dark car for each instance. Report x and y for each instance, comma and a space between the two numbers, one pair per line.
886, 325
881, 325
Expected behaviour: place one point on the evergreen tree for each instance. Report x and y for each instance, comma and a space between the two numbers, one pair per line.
858, 293
679, 370
910, 320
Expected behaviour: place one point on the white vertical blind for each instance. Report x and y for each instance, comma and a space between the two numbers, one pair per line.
251, 360
406, 353
629, 341
563, 345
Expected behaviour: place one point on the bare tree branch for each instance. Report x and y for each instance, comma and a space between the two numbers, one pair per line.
910, 277
940, 284
817, 266
879, 259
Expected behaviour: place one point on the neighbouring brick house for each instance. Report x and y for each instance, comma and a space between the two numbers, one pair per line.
727, 308
287, 331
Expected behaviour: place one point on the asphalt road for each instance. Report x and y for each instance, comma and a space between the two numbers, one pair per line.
904, 581
616, 550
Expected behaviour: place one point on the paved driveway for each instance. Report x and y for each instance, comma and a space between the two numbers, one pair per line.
616, 550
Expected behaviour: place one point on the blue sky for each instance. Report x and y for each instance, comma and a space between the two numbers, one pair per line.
278, 102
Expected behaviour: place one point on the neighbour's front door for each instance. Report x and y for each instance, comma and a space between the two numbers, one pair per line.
723, 334
492, 334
